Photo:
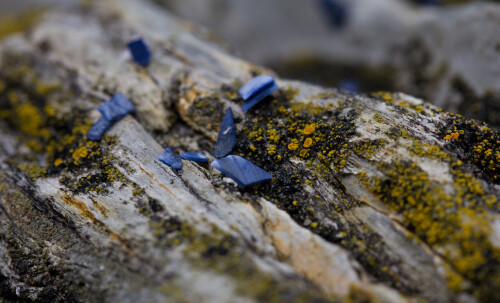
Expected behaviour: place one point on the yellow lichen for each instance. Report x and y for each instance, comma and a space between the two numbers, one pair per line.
58, 162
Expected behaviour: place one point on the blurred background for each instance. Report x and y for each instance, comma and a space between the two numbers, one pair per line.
444, 51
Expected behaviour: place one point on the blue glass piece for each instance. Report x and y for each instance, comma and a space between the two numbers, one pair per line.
116, 108
168, 157
140, 51
99, 128
256, 90
227, 136
349, 85
335, 11
259, 97
241, 170
255, 85
196, 157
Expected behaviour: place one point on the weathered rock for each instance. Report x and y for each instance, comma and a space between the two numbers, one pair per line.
382, 198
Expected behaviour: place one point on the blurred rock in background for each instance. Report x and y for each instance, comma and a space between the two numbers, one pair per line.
447, 54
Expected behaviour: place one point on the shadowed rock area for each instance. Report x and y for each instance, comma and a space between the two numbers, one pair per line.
374, 198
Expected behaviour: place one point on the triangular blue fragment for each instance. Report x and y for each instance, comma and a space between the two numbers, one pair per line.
116, 108
170, 159
99, 128
196, 157
241, 170
255, 85
227, 136
258, 97
140, 51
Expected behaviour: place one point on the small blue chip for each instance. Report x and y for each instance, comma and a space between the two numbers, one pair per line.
170, 159
116, 108
256, 90
140, 51
99, 128
196, 157
241, 170
227, 136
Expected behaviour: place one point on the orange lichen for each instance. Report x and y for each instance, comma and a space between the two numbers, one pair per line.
294, 145
309, 129
453, 136
308, 142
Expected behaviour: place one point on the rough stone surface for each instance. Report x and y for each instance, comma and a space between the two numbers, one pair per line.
380, 198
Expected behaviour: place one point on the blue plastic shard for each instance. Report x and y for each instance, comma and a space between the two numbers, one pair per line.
256, 84
335, 11
140, 51
196, 157
227, 136
116, 108
99, 128
256, 90
241, 170
168, 157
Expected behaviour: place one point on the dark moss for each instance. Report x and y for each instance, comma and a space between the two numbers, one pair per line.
475, 143
485, 107
29, 107
207, 110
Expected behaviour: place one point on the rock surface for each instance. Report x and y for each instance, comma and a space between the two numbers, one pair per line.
380, 198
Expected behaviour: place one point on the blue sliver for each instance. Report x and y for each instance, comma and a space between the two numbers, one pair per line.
258, 97
241, 170
196, 157
116, 108
256, 85
226, 139
99, 128
168, 157
140, 51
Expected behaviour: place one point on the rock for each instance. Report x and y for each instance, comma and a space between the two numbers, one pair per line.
376, 206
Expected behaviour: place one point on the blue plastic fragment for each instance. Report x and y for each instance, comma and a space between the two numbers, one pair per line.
99, 128
241, 170
168, 157
116, 108
256, 90
196, 157
335, 11
140, 51
227, 136
254, 85
349, 85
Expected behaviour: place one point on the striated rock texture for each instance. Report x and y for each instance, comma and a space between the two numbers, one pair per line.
379, 198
